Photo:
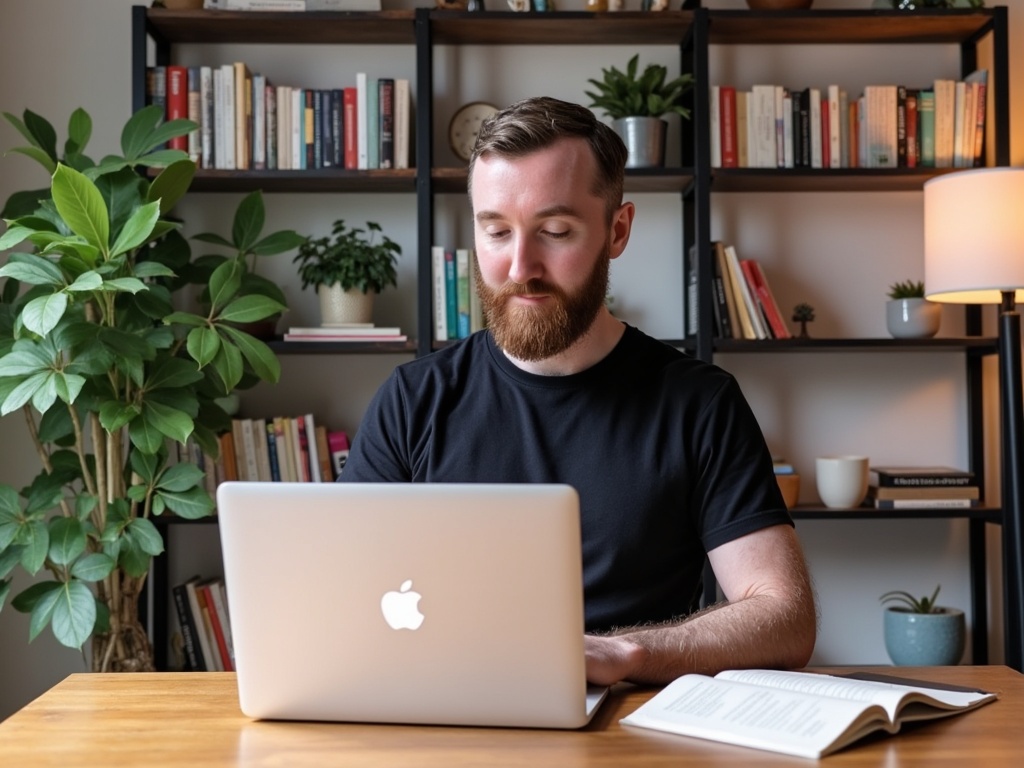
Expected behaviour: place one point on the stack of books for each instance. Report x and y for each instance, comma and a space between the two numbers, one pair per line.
921, 487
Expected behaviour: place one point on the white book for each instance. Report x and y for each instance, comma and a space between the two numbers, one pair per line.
795, 713
362, 121
816, 156
252, 466
780, 127
763, 124
788, 159
714, 107
255, 5
345, 329
259, 437
403, 122
343, 5
440, 293
883, 142
298, 124
834, 143
301, 468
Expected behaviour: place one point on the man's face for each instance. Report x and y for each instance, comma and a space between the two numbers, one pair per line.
542, 246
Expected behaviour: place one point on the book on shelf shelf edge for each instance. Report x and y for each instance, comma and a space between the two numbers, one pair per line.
923, 503
925, 492
341, 336
346, 329
795, 713
911, 476
209, 604
200, 626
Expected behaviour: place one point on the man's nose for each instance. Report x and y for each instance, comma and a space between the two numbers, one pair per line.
525, 264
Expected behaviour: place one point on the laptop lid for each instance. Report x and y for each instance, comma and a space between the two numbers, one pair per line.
406, 603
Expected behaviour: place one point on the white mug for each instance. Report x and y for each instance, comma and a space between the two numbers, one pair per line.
842, 480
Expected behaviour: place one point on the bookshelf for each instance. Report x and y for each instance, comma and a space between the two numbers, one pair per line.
693, 31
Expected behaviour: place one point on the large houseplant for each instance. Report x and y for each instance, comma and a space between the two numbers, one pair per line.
348, 268
636, 101
109, 376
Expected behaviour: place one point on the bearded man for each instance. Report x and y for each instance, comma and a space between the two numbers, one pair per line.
669, 462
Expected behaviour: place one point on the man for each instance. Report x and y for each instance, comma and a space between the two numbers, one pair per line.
664, 451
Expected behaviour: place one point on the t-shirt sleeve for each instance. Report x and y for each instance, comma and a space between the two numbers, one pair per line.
378, 451
736, 492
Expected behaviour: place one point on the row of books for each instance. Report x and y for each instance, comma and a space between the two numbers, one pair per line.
278, 449
457, 310
246, 122
924, 486
743, 304
206, 641
888, 126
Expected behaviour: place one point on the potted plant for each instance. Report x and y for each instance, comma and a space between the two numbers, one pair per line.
247, 246
918, 632
109, 377
636, 103
908, 314
348, 268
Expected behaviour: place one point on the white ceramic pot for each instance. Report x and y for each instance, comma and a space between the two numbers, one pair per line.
338, 307
912, 318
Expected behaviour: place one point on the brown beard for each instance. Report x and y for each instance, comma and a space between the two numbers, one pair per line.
537, 333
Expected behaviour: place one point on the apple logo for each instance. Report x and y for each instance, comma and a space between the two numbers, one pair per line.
400, 609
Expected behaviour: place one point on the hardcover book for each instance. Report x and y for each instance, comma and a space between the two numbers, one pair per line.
795, 713
903, 477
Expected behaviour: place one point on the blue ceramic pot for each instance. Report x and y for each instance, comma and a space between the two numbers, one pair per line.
925, 639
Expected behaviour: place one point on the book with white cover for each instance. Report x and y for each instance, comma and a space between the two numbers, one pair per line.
345, 329
795, 713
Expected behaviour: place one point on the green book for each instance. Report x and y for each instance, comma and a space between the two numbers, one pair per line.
926, 127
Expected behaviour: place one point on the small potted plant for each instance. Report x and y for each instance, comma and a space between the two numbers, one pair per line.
918, 632
348, 268
908, 314
636, 102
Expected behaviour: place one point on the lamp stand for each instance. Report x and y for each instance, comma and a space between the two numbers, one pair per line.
1012, 470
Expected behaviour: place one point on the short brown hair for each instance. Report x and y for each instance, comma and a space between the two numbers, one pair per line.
538, 122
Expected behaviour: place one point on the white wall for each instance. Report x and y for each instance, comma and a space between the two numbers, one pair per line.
60, 54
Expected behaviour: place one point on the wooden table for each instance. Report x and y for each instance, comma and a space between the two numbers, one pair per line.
192, 719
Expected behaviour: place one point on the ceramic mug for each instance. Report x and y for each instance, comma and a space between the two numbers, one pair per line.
842, 480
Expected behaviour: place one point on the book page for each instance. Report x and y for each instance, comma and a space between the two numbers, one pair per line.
780, 720
887, 695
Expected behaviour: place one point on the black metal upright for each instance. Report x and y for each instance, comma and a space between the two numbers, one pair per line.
424, 182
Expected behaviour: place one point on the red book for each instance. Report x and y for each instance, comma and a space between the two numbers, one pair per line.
911, 118
727, 121
351, 130
206, 600
769, 308
177, 101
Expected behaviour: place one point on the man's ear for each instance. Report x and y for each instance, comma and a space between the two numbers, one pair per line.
622, 225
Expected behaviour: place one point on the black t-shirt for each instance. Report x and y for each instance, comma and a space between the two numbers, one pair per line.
665, 453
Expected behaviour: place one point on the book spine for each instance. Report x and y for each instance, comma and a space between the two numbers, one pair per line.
271, 122
362, 122
323, 452
351, 128
195, 609
309, 131
924, 503
177, 101
337, 441
317, 97
440, 293
195, 114
193, 651
206, 98
337, 128
386, 128
715, 127
403, 126
727, 118
217, 631
462, 292
314, 458
272, 457
451, 294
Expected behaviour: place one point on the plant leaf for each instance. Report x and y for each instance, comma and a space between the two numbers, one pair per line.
74, 614
93, 567
81, 206
137, 229
67, 540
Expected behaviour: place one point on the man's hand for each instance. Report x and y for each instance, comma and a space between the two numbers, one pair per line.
611, 659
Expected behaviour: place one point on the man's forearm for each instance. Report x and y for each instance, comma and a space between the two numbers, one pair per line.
758, 631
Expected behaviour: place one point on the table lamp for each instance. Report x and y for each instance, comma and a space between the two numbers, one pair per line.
974, 254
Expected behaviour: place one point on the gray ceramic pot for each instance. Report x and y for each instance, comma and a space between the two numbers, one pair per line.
925, 639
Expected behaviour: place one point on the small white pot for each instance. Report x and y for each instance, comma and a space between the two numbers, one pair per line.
912, 318
338, 307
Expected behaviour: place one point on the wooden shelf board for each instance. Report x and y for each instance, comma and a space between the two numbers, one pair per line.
560, 28
312, 180
309, 27
741, 27
982, 344
282, 347
823, 179
815, 512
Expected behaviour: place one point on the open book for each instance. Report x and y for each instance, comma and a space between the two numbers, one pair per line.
797, 713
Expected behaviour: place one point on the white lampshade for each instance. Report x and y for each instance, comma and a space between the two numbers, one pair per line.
974, 236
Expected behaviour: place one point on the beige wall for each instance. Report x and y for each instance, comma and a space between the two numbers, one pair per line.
59, 54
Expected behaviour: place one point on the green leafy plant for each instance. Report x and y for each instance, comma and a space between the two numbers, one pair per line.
109, 376
352, 257
908, 289
247, 246
912, 604
626, 94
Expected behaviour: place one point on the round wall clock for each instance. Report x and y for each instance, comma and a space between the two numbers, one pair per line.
465, 126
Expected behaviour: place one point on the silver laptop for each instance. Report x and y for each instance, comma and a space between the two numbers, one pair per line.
407, 603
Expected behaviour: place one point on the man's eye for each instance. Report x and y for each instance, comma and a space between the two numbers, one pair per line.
557, 235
